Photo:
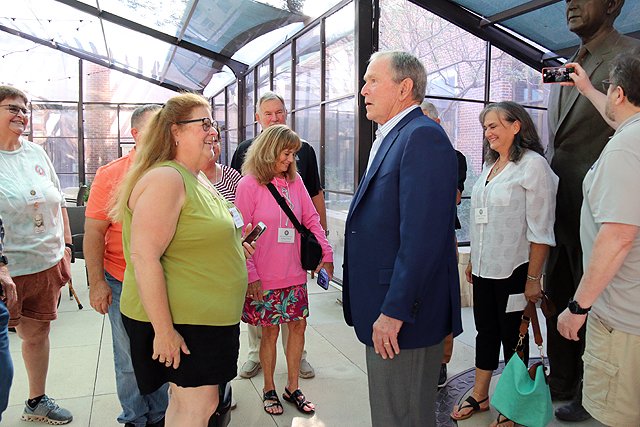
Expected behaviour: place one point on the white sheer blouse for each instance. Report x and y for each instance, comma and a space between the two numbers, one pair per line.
513, 210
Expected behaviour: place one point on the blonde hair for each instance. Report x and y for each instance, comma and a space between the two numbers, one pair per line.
265, 151
157, 145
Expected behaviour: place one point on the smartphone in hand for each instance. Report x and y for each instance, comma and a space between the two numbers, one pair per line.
557, 74
255, 233
323, 279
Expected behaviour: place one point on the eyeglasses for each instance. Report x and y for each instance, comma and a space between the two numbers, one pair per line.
207, 123
605, 85
15, 109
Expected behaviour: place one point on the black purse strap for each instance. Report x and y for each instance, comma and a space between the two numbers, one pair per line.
287, 210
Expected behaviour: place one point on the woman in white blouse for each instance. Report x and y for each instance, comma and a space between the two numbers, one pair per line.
512, 216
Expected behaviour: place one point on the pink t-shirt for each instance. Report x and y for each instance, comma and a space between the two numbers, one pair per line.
277, 265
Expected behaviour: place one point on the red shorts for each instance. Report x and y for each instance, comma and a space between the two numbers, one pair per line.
38, 293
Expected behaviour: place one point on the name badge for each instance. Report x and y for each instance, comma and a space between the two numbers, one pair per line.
237, 218
482, 216
35, 196
286, 235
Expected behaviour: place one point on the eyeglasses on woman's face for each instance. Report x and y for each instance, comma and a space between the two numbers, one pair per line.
15, 109
207, 123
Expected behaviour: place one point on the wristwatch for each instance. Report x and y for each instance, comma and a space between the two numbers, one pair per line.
575, 308
3, 260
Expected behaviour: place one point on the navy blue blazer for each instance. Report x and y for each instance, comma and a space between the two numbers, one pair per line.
400, 255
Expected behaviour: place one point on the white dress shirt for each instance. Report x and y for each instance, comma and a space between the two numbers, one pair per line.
520, 203
383, 131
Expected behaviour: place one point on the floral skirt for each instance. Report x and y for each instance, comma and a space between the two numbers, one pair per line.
278, 306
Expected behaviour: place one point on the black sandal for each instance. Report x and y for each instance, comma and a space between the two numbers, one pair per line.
272, 396
473, 404
298, 399
504, 420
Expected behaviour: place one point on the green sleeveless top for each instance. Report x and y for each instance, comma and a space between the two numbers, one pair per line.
204, 264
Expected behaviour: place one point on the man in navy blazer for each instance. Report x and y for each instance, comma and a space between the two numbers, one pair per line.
400, 284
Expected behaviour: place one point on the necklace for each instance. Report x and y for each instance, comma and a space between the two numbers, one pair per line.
497, 167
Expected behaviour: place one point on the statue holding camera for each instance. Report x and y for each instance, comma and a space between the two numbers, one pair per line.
577, 135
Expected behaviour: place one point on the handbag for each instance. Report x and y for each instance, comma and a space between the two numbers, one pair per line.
310, 249
522, 394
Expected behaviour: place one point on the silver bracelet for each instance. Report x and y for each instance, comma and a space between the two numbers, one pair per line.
533, 278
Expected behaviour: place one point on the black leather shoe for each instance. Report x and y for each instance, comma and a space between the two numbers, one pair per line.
157, 424
442, 379
560, 396
573, 412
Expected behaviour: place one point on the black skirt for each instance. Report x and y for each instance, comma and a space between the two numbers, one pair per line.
213, 359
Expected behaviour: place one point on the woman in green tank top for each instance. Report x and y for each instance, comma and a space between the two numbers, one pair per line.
186, 275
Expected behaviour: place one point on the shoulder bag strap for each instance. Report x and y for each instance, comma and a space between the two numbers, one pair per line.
530, 315
287, 210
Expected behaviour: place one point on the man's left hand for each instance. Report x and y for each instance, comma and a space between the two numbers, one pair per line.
385, 336
569, 324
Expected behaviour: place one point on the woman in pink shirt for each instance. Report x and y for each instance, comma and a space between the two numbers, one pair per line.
277, 290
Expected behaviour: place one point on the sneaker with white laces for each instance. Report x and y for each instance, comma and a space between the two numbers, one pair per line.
250, 369
47, 411
306, 370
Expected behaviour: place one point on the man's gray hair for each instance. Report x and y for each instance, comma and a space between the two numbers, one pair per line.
406, 66
138, 113
269, 96
430, 109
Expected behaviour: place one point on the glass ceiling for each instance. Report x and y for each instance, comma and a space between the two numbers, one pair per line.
179, 44
199, 44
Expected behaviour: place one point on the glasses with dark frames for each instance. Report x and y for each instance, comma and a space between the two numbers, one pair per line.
207, 123
605, 84
15, 109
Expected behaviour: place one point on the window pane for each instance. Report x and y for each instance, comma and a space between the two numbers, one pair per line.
282, 75
512, 80
232, 106
263, 78
99, 152
232, 136
340, 58
249, 98
460, 121
455, 59
308, 127
337, 209
339, 153
249, 132
63, 152
54, 119
308, 68
219, 110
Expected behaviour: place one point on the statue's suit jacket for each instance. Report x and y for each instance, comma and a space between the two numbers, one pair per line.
400, 256
577, 135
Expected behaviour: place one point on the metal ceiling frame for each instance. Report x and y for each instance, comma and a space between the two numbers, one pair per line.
498, 37
96, 60
517, 11
237, 67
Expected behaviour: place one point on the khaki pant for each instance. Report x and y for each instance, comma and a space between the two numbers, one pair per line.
611, 375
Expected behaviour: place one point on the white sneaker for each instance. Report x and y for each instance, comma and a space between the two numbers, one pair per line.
306, 370
250, 369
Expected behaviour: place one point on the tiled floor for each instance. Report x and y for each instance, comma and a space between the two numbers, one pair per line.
81, 371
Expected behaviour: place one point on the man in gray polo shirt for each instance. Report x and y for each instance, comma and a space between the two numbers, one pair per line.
609, 224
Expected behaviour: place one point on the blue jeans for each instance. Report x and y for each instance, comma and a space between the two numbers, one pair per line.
136, 408
6, 365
